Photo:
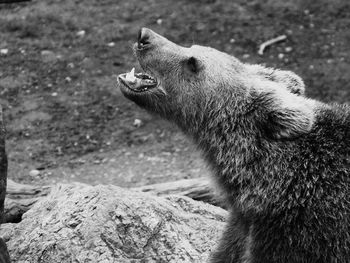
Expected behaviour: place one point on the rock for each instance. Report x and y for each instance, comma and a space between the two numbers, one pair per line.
288, 49
81, 33
48, 56
34, 173
137, 123
81, 223
4, 51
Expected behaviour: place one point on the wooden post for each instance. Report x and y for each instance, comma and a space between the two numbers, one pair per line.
4, 255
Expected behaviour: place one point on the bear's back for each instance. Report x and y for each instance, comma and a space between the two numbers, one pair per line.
316, 187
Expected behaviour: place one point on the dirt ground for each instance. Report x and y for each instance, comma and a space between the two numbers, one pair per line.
65, 115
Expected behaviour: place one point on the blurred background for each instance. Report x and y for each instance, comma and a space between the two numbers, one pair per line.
66, 117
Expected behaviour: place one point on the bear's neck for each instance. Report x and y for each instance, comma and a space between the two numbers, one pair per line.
226, 133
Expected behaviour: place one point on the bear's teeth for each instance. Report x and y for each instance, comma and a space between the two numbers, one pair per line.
131, 76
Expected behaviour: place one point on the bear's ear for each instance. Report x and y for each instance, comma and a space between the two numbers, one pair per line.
293, 82
288, 116
289, 79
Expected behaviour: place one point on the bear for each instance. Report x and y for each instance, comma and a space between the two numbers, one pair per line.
281, 159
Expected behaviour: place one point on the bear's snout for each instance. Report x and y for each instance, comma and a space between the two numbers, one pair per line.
147, 38
143, 38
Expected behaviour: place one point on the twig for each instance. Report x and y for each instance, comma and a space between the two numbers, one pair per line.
270, 42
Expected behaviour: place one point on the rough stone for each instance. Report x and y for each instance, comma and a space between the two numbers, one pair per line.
81, 223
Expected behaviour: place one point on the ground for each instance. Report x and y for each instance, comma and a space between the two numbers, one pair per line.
67, 118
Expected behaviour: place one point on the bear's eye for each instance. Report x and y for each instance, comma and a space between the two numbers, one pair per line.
193, 65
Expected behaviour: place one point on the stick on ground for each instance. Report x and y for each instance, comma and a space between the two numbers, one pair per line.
270, 42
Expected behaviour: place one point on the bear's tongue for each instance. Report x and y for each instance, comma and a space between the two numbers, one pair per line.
139, 82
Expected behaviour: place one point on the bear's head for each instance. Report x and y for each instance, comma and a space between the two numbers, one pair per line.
192, 86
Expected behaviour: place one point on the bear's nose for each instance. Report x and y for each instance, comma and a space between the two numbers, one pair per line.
143, 38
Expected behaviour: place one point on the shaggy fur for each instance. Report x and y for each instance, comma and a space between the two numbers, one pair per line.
281, 159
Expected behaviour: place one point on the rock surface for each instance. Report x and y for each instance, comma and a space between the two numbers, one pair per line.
82, 223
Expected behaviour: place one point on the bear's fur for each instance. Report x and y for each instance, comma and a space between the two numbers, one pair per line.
281, 159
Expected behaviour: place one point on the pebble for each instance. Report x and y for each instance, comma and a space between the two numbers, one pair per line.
159, 21
137, 123
288, 49
4, 51
34, 173
81, 33
111, 44
280, 55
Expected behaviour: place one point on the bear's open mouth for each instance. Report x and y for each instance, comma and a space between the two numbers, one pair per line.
139, 82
